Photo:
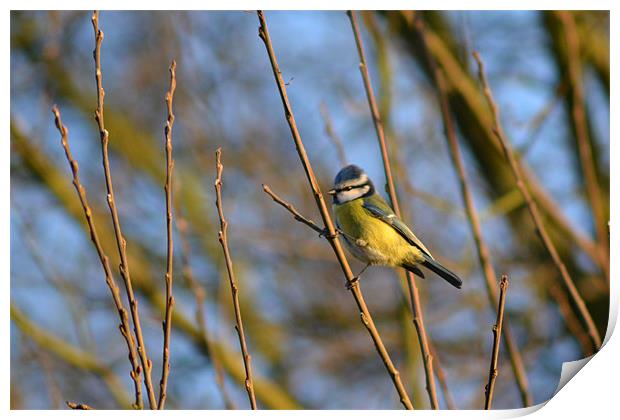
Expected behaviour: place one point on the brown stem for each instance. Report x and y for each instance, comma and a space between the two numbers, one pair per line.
472, 216
298, 216
163, 383
580, 123
464, 92
331, 237
533, 209
78, 406
124, 327
497, 335
120, 240
416, 305
223, 238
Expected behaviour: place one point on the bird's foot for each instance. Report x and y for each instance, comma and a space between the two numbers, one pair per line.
350, 283
325, 234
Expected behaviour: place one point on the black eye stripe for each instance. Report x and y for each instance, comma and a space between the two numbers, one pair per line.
351, 187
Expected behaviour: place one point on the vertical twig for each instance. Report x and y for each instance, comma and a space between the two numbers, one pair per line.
533, 209
497, 335
223, 238
120, 240
124, 327
580, 123
416, 306
167, 325
474, 223
331, 235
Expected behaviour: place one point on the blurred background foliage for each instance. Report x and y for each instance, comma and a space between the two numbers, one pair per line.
308, 347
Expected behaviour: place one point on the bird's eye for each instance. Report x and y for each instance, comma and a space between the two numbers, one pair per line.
348, 188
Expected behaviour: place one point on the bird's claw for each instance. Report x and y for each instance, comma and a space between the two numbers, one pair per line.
325, 234
350, 283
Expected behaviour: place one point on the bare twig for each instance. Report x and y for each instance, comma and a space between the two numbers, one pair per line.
331, 235
120, 240
199, 294
474, 223
292, 209
272, 395
336, 140
124, 327
463, 90
163, 383
357, 294
374, 110
533, 209
78, 406
580, 123
497, 335
223, 238
416, 306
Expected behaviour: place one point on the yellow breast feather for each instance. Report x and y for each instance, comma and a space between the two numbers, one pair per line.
380, 243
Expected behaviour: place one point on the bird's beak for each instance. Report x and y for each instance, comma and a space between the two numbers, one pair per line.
331, 192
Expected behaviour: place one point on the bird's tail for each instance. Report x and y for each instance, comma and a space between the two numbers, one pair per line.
438, 269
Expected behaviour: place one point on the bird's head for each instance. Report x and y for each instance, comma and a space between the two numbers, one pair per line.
351, 183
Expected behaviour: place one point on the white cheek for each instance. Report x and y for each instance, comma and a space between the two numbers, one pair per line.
344, 196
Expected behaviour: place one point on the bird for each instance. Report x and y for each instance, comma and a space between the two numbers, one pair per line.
373, 233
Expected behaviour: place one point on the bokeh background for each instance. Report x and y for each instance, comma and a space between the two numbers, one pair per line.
308, 347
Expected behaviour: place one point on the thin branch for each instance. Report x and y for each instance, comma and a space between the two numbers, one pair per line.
580, 123
416, 305
199, 295
124, 327
474, 223
223, 238
78, 406
331, 236
497, 335
270, 393
292, 209
365, 315
331, 134
465, 92
374, 110
120, 240
163, 383
533, 209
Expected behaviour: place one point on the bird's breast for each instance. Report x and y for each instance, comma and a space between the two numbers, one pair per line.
368, 238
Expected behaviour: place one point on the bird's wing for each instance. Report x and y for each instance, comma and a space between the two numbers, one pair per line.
383, 212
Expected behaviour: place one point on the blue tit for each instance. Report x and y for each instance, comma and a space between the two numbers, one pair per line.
372, 232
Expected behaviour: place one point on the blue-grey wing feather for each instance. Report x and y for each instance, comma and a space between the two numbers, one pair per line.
385, 214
